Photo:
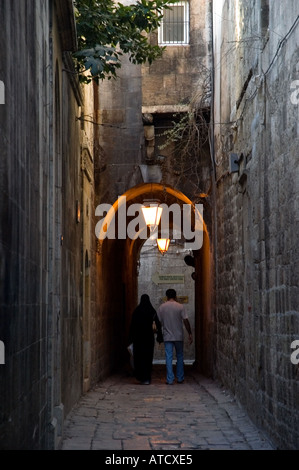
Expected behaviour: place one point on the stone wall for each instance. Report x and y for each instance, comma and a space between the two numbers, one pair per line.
176, 94
256, 317
172, 79
120, 137
40, 239
24, 222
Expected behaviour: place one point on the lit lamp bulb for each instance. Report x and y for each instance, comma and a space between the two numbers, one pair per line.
163, 244
152, 215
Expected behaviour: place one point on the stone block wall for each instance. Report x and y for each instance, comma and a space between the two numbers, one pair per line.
256, 317
40, 262
172, 79
120, 137
24, 182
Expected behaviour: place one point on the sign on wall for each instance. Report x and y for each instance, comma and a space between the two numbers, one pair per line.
168, 278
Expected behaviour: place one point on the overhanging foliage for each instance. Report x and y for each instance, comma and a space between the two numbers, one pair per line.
106, 30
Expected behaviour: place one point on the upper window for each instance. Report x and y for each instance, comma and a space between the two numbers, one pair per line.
174, 28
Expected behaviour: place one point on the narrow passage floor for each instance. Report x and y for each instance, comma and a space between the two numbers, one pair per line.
121, 414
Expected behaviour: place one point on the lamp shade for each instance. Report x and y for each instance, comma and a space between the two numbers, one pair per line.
163, 244
152, 215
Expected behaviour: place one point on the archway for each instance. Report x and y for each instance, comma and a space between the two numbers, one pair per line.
117, 286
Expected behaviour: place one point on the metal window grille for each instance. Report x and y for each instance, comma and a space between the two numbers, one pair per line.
174, 28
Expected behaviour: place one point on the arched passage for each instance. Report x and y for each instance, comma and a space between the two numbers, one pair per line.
117, 288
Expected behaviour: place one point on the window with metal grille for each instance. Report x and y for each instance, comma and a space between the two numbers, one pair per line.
174, 28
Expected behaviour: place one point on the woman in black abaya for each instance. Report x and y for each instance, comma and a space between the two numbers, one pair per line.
143, 338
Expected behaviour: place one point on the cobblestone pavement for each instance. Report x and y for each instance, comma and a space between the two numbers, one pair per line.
120, 414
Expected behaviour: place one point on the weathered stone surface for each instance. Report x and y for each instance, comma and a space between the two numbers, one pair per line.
40, 301
256, 220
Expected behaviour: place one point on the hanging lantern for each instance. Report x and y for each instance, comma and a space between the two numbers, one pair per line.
152, 215
163, 244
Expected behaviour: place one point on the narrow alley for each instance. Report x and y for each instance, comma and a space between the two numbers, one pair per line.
149, 147
120, 414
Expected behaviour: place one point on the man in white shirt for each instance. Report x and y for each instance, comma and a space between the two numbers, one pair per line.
173, 316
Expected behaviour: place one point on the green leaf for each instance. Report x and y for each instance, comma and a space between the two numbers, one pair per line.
102, 25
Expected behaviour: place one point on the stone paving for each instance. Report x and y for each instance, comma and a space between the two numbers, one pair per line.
120, 414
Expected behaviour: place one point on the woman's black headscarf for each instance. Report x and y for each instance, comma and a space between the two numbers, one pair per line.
145, 303
142, 320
